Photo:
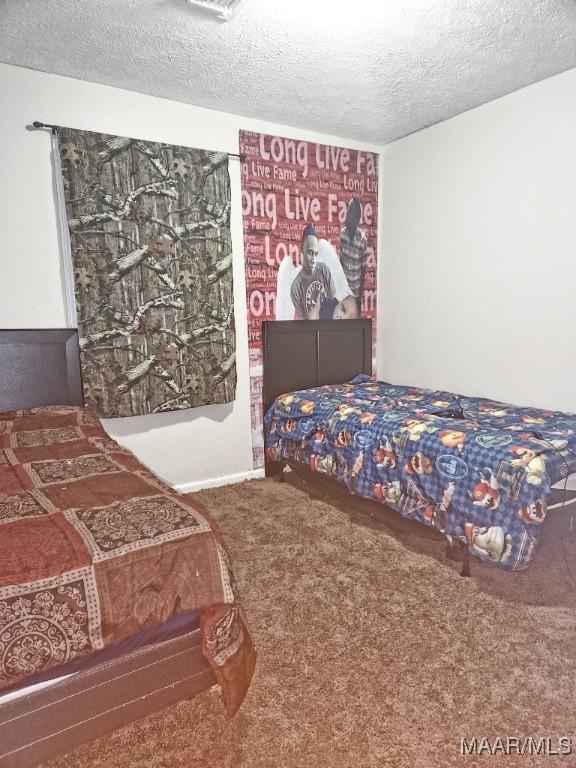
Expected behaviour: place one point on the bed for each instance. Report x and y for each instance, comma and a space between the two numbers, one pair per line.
116, 593
478, 471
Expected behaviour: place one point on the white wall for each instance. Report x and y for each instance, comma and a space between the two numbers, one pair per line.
477, 249
188, 448
478, 242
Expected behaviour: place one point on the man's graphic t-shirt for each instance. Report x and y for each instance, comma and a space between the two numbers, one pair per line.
308, 290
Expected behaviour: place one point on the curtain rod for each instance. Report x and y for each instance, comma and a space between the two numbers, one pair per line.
54, 128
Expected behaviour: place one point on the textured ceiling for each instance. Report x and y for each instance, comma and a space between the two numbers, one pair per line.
371, 70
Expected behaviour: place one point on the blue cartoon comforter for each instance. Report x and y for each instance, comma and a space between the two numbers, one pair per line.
475, 469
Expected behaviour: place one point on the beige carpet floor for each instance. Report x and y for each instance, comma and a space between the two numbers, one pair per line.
372, 650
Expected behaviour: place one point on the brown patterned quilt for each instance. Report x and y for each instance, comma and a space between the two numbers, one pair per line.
93, 548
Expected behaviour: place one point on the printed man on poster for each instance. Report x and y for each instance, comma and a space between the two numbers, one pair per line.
310, 230
353, 250
314, 293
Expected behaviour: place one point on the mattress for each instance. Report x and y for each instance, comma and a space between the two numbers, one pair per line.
8, 695
475, 469
173, 627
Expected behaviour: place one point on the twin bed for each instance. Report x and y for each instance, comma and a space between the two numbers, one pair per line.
116, 593
478, 471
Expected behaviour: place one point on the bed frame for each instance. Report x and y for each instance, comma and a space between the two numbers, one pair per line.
39, 367
299, 354
42, 367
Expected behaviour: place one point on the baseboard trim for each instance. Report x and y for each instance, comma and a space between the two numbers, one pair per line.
215, 482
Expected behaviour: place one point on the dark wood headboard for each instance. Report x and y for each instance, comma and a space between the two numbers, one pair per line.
299, 354
39, 367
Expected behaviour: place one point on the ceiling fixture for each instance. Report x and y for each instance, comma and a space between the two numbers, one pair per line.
223, 9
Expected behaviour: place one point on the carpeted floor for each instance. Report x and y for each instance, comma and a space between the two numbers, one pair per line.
372, 650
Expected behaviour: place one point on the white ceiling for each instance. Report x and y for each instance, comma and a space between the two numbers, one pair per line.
371, 70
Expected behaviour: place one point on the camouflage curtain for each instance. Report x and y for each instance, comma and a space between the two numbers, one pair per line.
152, 259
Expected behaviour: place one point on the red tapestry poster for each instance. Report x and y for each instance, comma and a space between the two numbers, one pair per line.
310, 215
